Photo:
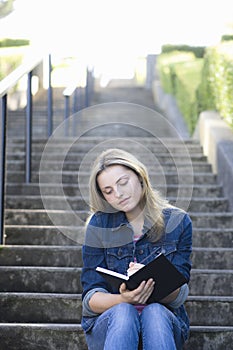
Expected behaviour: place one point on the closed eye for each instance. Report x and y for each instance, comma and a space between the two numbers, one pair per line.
123, 181
107, 192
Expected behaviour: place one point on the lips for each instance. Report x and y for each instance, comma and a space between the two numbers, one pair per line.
123, 201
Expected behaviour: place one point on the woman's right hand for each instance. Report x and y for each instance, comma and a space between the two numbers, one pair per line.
139, 295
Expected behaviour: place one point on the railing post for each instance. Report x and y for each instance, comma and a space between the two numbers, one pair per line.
2, 166
87, 89
50, 97
67, 113
29, 129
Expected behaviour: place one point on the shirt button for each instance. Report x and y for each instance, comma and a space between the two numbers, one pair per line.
141, 251
119, 252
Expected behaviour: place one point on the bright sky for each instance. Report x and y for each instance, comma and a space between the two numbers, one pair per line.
109, 28
136, 25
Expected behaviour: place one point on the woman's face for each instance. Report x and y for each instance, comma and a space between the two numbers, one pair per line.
121, 188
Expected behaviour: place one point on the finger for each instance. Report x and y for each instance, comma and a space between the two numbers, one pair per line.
122, 288
147, 291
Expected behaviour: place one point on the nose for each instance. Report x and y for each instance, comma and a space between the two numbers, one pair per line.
117, 192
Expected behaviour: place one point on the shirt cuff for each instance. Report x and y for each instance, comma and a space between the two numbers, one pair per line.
87, 312
181, 297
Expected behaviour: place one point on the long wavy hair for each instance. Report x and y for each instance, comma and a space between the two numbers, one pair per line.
151, 200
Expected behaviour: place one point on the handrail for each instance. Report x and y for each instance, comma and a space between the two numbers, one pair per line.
11, 80
75, 89
5, 85
67, 93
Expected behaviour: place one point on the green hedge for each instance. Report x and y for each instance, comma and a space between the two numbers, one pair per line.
11, 58
200, 84
216, 88
198, 51
166, 65
180, 76
13, 42
227, 37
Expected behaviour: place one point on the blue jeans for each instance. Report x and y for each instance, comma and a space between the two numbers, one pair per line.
119, 328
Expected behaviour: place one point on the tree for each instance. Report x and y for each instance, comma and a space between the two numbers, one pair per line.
6, 7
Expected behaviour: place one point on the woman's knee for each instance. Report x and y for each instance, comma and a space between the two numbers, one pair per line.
157, 313
125, 312
155, 309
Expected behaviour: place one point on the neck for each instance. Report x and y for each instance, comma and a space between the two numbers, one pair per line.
137, 221
135, 215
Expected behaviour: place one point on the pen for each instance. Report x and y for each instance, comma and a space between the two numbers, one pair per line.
147, 257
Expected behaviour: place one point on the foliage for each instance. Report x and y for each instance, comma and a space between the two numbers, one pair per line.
13, 42
180, 76
198, 51
188, 77
227, 37
200, 84
221, 79
6, 7
166, 64
10, 58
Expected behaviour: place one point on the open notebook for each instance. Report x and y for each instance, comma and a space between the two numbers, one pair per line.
166, 276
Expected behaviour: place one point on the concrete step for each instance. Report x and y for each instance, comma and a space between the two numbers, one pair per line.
95, 138
42, 235
67, 256
210, 310
210, 338
79, 203
21, 336
19, 165
84, 141
216, 237
71, 218
74, 176
78, 157
70, 256
212, 258
204, 190
212, 220
67, 308
51, 235
211, 282
41, 279
83, 144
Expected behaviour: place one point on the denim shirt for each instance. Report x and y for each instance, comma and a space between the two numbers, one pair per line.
109, 243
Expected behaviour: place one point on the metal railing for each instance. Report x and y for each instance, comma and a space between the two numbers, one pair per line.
5, 86
79, 101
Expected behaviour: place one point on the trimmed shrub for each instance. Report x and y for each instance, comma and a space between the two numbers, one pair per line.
13, 42
227, 37
10, 58
188, 78
200, 84
198, 51
180, 76
166, 64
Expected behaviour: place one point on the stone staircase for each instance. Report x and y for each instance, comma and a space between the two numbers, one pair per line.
40, 265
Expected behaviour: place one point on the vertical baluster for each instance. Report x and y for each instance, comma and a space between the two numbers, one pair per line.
67, 113
87, 89
50, 98
3, 165
29, 129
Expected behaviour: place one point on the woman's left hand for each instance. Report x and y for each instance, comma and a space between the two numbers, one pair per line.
139, 295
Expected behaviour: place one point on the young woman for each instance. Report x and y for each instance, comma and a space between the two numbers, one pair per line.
131, 223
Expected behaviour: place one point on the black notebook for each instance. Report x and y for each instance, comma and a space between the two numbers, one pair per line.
166, 276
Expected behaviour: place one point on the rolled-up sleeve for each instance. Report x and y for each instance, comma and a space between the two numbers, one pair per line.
86, 308
181, 297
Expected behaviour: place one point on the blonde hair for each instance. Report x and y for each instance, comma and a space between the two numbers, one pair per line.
151, 201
